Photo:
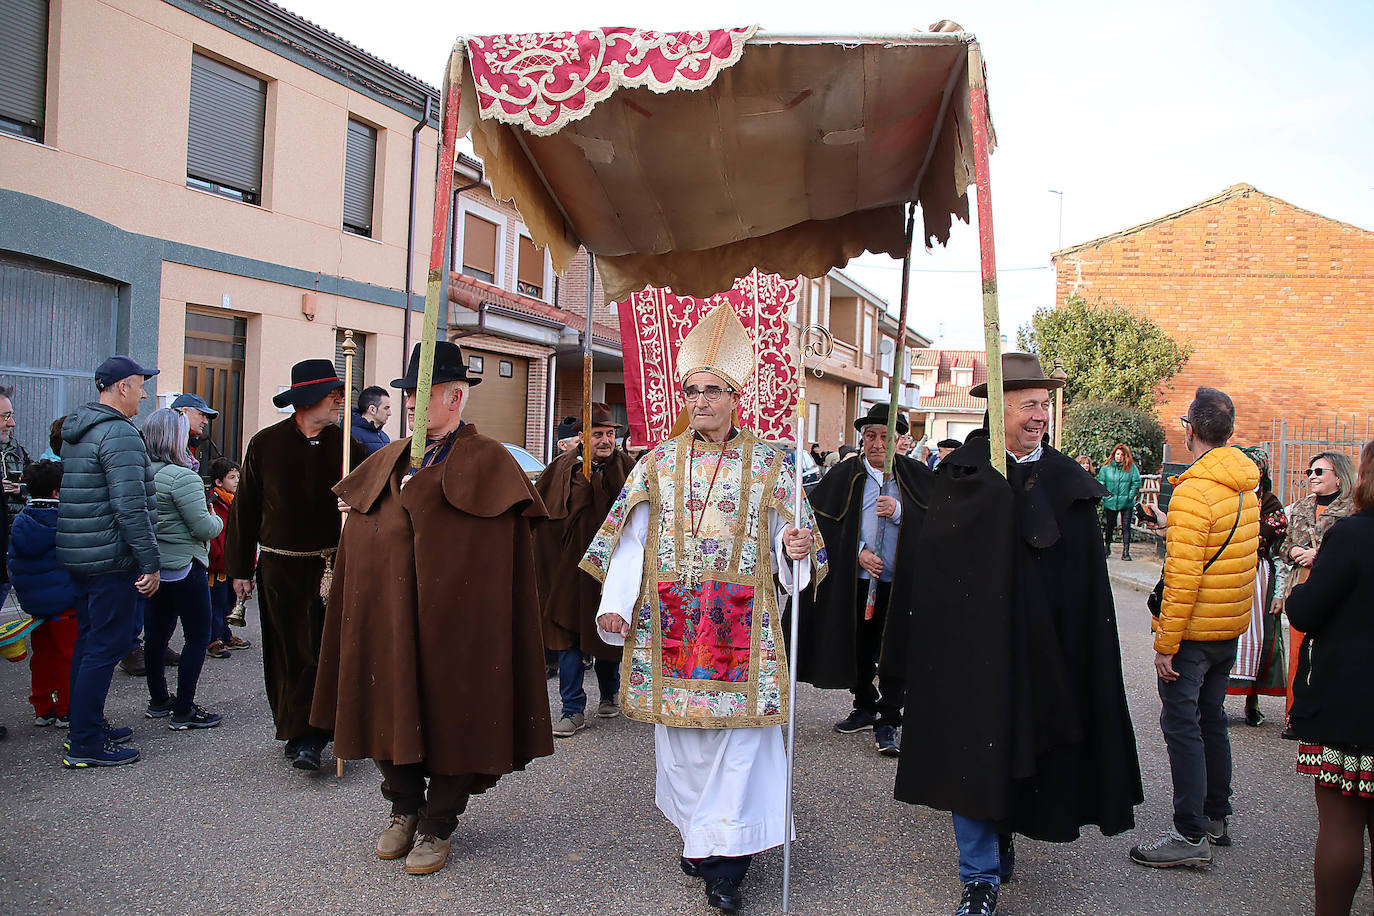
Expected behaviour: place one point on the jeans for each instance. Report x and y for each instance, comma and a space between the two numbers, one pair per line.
187, 600
570, 680
1194, 726
884, 701
980, 858
106, 624
1110, 519
438, 802
221, 603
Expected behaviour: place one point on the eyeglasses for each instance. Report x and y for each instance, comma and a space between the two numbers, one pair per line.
6, 417
712, 392
1316, 472
1185, 422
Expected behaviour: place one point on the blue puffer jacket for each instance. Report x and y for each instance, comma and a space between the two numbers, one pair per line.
43, 587
367, 435
108, 511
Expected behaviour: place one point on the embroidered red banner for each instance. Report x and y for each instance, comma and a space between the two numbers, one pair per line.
652, 325
544, 80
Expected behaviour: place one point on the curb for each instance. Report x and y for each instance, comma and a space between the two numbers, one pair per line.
1131, 581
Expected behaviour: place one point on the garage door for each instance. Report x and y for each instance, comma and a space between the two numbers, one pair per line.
498, 404
55, 328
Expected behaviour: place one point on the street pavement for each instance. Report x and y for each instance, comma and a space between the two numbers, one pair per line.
216, 822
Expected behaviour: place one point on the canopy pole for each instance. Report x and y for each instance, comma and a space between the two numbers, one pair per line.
992, 333
443, 201
587, 373
350, 347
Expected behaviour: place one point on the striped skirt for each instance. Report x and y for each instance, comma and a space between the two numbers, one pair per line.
1351, 770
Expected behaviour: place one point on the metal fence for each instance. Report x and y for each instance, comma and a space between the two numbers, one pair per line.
1294, 440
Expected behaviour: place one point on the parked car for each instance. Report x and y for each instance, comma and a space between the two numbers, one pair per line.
531, 465
811, 472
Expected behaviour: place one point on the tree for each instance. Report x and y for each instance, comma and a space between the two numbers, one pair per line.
1110, 353
1094, 428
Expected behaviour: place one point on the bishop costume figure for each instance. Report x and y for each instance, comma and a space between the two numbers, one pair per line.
691, 557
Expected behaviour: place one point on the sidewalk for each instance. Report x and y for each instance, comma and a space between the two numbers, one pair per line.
1140, 573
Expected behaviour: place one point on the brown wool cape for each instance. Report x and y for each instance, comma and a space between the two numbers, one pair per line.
568, 597
432, 649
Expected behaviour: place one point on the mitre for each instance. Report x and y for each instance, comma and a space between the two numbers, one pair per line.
719, 344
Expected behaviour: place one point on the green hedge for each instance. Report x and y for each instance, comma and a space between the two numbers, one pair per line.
1094, 428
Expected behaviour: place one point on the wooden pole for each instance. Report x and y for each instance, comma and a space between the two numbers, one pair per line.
350, 347
443, 201
587, 372
992, 332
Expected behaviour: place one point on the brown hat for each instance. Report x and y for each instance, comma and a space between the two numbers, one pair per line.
601, 416
1019, 370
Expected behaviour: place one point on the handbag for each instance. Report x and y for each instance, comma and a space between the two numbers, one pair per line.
1155, 602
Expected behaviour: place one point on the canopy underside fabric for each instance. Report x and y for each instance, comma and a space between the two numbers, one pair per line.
793, 160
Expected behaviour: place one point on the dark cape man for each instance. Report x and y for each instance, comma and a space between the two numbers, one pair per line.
691, 558
431, 663
284, 526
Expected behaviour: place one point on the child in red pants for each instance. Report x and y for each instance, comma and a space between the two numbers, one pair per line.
44, 589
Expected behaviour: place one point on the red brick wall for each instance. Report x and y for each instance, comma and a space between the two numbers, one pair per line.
1278, 301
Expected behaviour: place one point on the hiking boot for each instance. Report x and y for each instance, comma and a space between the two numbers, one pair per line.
216, 649
608, 708
428, 855
1171, 850
108, 754
856, 721
118, 735
886, 741
398, 836
157, 710
1217, 833
133, 664
236, 642
173, 658
196, 718
568, 726
979, 899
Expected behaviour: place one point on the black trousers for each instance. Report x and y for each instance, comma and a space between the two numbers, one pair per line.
1110, 519
732, 867
438, 803
886, 699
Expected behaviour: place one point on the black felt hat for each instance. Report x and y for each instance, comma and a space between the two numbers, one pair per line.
449, 366
311, 382
877, 416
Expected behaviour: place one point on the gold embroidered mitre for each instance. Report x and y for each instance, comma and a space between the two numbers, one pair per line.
719, 344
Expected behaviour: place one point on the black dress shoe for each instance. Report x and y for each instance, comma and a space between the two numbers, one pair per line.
307, 756
293, 745
689, 868
723, 894
1006, 850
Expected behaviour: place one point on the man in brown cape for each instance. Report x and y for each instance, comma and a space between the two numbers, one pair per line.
568, 597
284, 525
431, 662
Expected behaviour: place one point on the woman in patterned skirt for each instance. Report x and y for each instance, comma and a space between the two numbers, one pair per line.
1332, 715
1261, 669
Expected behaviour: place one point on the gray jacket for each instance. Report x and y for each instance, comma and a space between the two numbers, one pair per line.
108, 510
185, 524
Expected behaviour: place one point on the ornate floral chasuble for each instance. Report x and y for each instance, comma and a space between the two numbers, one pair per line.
705, 647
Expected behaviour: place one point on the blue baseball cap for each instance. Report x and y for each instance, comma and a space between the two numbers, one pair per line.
196, 401
119, 367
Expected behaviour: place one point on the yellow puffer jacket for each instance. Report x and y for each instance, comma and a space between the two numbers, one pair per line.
1214, 605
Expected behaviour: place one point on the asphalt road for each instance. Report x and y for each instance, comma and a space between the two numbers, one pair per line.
216, 822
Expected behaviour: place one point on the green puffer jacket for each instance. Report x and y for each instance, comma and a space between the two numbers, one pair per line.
108, 508
185, 524
1122, 486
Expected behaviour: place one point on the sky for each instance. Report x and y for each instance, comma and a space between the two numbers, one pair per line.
1131, 110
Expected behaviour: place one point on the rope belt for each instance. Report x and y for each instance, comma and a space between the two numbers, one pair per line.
324, 554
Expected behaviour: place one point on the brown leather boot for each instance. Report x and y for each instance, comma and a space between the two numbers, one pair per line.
398, 836
429, 855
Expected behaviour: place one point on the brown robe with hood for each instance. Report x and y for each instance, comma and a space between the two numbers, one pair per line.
568, 597
431, 647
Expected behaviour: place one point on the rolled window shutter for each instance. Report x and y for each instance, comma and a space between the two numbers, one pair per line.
24, 51
228, 109
360, 164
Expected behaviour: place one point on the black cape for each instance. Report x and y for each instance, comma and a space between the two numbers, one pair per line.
826, 627
1015, 655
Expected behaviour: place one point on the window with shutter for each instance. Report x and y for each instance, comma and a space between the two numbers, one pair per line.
360, 170
224, 143
530, 270
24, 73
479, 248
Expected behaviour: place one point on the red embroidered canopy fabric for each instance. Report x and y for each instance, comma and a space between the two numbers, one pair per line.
545, 80
652, 325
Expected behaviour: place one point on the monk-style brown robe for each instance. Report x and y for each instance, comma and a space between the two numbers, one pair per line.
568, 597
431, 648
284, 501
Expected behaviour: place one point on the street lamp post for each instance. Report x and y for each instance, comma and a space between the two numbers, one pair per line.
1061, 375
1061, 218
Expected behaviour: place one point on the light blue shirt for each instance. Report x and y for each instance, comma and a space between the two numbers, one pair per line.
873, 488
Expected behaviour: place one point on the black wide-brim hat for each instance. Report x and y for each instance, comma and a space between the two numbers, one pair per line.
449, 366
311, 382
877, 416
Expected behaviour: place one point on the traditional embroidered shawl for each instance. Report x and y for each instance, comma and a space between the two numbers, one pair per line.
708, 654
